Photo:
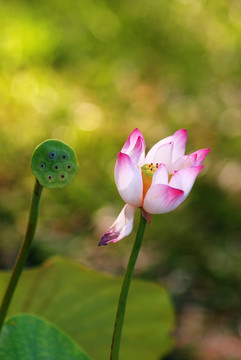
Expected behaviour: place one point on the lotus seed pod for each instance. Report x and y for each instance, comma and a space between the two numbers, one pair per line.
54, 164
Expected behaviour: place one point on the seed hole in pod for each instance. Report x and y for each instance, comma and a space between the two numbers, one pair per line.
52, 155
56, 167
69, 166
64, 156
62, 176
42, 165
50, 177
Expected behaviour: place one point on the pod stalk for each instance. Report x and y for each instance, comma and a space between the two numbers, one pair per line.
23, 252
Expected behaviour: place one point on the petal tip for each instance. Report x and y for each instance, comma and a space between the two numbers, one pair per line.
122, 157
108, 237
183, 132
178, 192
206, 151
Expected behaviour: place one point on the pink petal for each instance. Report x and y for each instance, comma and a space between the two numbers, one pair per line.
137, 154
179, 139
183, 162
163, 155
162, 199
200, 156
128, 180
121, 227
135, 147
160, 175
185, 178
130, 142
151, 153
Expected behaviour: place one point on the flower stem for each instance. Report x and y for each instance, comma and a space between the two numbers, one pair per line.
23, 252
114, 355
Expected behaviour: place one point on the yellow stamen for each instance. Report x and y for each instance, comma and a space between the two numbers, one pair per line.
147, 173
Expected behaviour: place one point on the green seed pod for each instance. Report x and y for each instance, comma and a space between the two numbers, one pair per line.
54, 164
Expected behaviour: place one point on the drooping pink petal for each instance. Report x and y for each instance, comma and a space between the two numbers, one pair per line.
185, 178
200, 156
128, 180
121, 227
162, 199
163, 155
179, 139
135, 147
160, 175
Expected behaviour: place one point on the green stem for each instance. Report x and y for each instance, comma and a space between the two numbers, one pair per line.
23, 252
114, 355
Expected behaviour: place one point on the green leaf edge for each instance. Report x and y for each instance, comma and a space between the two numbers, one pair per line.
28, 317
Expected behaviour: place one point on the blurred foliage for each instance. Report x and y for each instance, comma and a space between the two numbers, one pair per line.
88, 73
82, 302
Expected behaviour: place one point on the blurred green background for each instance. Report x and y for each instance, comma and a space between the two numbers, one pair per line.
88, 73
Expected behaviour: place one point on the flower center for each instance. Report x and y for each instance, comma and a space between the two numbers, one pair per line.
149, 169
147, 173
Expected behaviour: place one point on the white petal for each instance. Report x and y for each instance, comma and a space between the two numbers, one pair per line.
137, 153
200, 156
151, 153
135, 147
160, 175
185, 178
179, 139
128, 180
183, 162
162, 199
122, 226
163, 155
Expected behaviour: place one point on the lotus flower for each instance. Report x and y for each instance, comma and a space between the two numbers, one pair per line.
157, 183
